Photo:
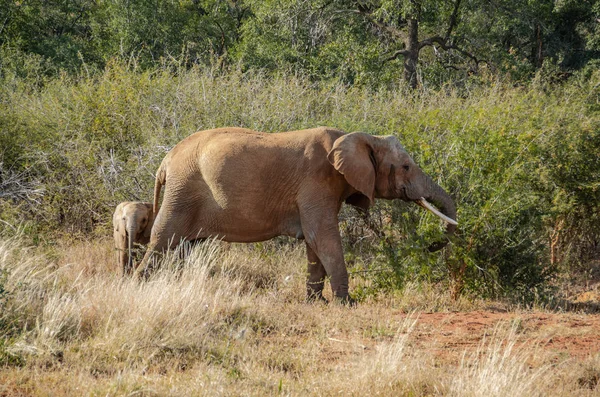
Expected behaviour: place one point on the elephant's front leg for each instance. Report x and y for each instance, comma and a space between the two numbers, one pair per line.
323, 238
316, 277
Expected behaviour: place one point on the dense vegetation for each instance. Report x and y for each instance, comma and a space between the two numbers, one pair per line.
522, 163
499, 101
369, 42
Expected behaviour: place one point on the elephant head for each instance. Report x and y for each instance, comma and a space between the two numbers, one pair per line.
380, 167
132, 224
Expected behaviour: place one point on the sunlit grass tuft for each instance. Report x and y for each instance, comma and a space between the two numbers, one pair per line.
500, 367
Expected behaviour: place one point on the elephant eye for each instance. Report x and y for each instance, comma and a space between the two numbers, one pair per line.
406, 167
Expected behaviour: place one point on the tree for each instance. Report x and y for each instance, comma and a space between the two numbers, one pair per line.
438, 19
59, 32
370, 42
521, 35
66, 33
371, 34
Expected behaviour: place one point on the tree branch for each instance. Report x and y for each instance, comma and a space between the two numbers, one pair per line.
453, 20
19, 186
395, 55
446, 46
443, 41
381, 26
434, 39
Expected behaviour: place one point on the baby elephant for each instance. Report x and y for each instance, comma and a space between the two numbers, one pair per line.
132, 223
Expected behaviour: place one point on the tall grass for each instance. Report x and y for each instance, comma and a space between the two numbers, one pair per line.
498, 368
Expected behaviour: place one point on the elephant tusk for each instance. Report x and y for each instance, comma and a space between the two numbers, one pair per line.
425, 204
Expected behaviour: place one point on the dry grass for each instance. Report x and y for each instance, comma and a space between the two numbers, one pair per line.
231, 320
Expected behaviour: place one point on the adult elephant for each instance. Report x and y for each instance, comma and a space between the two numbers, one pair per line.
132, 222
248, 186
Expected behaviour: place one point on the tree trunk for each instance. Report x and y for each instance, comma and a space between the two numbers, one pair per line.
411, 59
538, 53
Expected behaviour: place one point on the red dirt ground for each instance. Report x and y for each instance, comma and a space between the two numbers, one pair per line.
565, 335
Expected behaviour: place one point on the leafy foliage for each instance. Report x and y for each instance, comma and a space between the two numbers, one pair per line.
359, 42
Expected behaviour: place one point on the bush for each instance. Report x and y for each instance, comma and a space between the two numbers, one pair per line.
522, 163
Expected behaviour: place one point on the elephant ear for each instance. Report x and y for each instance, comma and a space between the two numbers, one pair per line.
150, 209
117, 217
352, 155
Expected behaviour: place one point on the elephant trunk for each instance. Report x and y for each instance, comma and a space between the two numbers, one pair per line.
442, 200
131, 233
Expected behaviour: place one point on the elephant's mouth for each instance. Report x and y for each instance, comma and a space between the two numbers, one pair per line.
403, 194
428, 206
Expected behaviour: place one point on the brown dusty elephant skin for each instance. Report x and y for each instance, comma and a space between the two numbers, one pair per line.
248, 186
132, 222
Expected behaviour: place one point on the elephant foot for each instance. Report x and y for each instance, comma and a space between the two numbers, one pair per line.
128, 271
316, 297
346, 300
144, 270
314, 291
142, 273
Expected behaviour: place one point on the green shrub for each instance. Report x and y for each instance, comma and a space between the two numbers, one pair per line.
522, 163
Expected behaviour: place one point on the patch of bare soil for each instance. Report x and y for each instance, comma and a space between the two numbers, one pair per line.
449, 335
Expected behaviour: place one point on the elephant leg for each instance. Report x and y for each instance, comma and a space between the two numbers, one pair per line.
190, 244
168, 232
323, 237
187, 246
126, 269
120, 246
158, 245
316, 277
142, 269
128, 264
122, 260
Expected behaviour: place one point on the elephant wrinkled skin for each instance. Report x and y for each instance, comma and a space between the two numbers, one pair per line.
132, 222
246, 186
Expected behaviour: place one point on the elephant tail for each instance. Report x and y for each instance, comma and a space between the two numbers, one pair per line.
161, 178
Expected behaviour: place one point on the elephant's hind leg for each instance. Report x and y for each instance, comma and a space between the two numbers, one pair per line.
143, 269
169, 230
153, 254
